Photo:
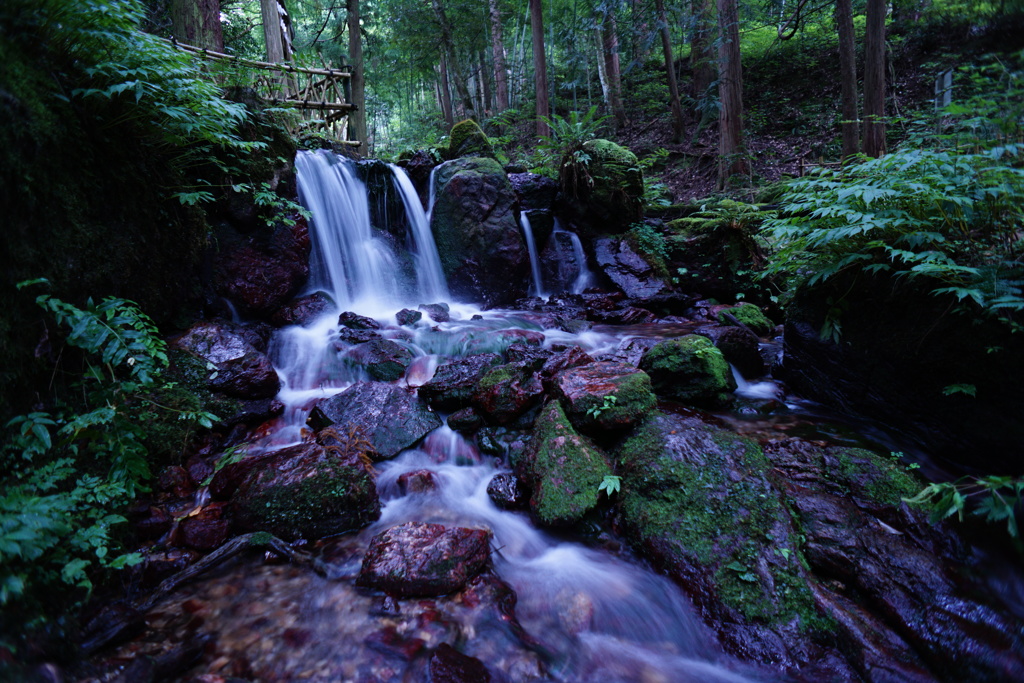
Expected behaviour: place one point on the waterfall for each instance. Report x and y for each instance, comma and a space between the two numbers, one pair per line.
531, 247
431, 192
584, 277
429, 274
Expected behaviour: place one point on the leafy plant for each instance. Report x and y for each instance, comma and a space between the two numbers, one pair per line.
565, 144
607, 404
611, 485
995, 498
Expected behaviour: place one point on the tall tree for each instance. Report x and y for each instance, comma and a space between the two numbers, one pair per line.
454, 66
874, 79
275, 30
670, 73
498, 55
732, 155
197, 22
848, 78
357, 119
540, 67
613, 71
444, 93
702, 54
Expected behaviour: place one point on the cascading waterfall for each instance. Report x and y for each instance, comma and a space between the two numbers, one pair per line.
584, 277
531, 247
429, 274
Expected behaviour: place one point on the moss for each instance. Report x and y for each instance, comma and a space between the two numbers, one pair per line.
701, 492
629, 399
689, 369
871, 476
751, 316
468, 140
567, 469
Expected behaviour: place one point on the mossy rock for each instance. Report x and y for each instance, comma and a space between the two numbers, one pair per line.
870, 476
691, 370
612, 199
751, 316
565, 469
468, 140
697, 497
605, 395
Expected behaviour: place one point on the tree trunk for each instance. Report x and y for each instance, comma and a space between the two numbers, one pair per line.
448, 43
848, 73
702, 58
445, 93
485, 85
670, 73
874, 79
357, 119
197, 23
273, 30
498, 55
602, 73
540, 67
610, 39
732, 156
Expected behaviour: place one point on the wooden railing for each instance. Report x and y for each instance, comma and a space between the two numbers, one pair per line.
318, 95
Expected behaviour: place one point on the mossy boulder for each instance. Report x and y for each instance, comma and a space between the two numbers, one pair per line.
483, 253
508, 391
691, 370
612, 199
382, 359
605, 395
309, 492
564, 469
749, 315
469, 140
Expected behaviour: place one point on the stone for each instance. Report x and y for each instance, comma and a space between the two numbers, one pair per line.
613, 199
416, 559
206, 530
448, 665
238, 368
534, 191
407, 316
629, 270
564, 469
439, 313
507, 492
388, 417
604, 395
454, 382
281, 258
465, 421
308, 491
739, 346
477, 232
383, 359
468, 140
508, 391
690, 369
417, 481
749, 316
303, 310
354, 321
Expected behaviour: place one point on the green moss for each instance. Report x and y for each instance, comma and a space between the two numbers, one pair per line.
751, 316
871, 476
567, 469
689, 369
468, 140
702, 491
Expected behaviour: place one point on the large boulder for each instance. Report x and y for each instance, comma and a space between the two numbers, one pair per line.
281, 257
534, 191
508, 391
634, 274
482, 250
423, 560
467, 139
454, 383
389, 417
613, 197
691, 370
235, 366
308, 491
564, 469
604, 395
382, 359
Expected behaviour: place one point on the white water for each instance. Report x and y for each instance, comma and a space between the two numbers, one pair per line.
584, 277
429, 274
531, 247
747, 389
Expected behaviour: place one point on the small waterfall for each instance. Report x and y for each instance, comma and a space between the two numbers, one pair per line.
763, 390
431, 192
584, 277
429, 274
531, 246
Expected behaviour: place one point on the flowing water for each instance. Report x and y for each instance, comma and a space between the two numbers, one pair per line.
592, 615
531, 247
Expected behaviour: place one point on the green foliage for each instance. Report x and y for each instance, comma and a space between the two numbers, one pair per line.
995, 498
611, 485
565, 144
606, 404
66, 475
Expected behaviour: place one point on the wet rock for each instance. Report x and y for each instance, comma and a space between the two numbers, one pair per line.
468, 140
417, 559
417, 481
354, 321
519, 336
739, 347
303, 310
572, 357
626, 268
507, 492
534, 191
251, 412
526, 352
559, 266
206, 530
407, 316
382, 359
629, 315
238, 368
279, 256
388, 641
454, 382
749, 316
159, 565
508, 391
151, 523
564, 469
604, 395
632, 349
175, 480
348, 336
419, 165
690, 369
465, 421
113, 623
477, 232
308, 491
388, 417
439, 313
612, 199
448, 665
